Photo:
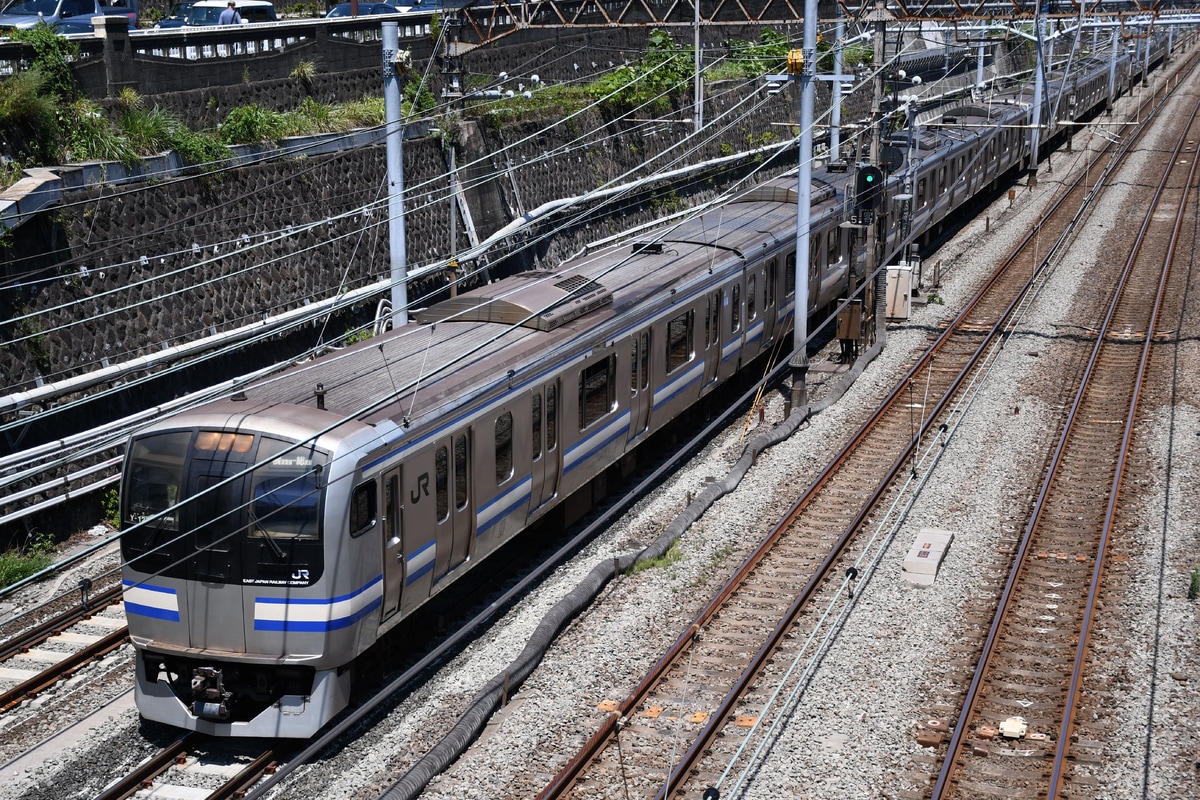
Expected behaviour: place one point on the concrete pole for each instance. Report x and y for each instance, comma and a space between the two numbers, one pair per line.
835, 103
979, 69
395, 170
1035, 134
850, 347
808, 90
1112, 71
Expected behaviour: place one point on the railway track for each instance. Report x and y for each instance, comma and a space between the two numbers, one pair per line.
1014, 733
703, 715
35, 659
224, 773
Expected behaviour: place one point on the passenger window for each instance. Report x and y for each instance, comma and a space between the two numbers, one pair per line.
363, 504
751, 311
551, 419
789, 275
596, 395
442, 483
504, 447
679, 340
921, 193
834, 253
460, 472
735, 318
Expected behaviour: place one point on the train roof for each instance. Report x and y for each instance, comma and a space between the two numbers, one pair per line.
501, 333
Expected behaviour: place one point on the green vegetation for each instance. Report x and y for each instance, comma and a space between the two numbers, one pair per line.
649, 82
672, 555
301, 10
356, 335
1194, 584
53, 55
752, 59
110, 504
16, 565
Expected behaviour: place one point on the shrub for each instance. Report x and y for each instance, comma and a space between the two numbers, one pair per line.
663, 69
53, 55
1194, 584
90, 137
16, 565
29, 124
251, 124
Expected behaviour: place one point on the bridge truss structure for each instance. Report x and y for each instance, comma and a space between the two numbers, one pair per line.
487, 21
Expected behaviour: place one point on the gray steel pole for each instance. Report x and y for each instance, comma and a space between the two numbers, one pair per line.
808, 86
1112, 71
1035, 135
978, 93
395, 173
835, 111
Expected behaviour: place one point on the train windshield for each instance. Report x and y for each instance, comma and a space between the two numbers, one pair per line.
286, 493
224, 507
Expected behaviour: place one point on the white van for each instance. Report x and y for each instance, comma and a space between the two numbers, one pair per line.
208, 12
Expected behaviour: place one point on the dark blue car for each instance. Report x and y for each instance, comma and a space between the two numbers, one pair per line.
364, 9
177, 16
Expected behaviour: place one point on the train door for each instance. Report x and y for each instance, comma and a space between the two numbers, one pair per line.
453, 519
393, 544
712, 335
641, 399
214, 574
546, 464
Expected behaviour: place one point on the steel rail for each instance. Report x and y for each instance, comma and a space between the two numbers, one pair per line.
44, 631
946, 774
143, 775
238, 785
1068, 723
62, 669
609, 727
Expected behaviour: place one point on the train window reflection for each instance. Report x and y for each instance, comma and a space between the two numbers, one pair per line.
286, 493
362, 508
441, 470
504, 447
155, 475
597, 391
679, 338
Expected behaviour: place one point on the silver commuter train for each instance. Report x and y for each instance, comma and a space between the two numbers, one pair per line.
274, 536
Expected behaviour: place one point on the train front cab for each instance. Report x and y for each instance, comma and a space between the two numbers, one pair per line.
240, 602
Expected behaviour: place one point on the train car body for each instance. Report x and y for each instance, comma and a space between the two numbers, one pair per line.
274, 536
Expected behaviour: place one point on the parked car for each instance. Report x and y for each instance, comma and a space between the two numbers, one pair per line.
364, 9
177, 15
77, 15
208, 12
